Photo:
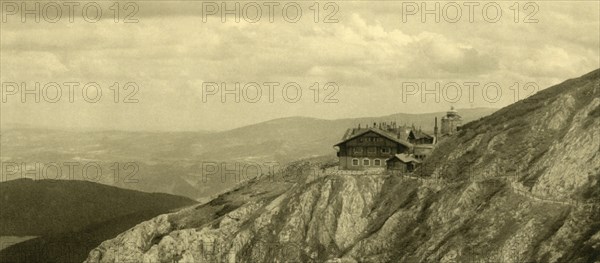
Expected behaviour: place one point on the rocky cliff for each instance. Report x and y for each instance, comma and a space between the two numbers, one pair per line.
521, 185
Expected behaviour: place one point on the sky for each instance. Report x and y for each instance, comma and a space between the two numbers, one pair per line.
189, 65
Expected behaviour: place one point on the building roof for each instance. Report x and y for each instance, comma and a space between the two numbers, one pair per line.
355, 134
405, 158
420, 134
403, 132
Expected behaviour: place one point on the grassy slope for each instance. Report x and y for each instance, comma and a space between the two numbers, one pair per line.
514, 120
44, 207
72, 216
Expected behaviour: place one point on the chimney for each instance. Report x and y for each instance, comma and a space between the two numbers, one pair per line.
435, 130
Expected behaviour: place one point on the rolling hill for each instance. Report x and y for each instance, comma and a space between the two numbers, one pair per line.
71, 217
172, 162
43, 207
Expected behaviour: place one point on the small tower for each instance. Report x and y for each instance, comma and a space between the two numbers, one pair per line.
451, 122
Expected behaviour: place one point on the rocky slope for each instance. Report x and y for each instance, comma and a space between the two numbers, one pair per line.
522, 185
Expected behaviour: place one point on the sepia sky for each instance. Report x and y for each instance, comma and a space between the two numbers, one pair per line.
370, 54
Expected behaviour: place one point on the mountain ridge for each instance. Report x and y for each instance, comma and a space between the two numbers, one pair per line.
479, 197
14, 125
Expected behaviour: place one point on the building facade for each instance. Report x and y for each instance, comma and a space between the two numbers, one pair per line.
370, 147
363, 148
421, 151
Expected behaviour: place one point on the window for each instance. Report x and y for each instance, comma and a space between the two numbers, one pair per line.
377, 162
354, 162
372, 150
385, 150
358, 149
366, 162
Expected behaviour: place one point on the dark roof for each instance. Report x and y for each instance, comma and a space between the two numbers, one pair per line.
405, 158
397, 132
420, 134
352, 133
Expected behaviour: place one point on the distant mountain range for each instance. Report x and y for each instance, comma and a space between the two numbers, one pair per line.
172, 162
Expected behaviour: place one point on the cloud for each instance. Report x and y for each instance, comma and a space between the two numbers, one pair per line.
369, 53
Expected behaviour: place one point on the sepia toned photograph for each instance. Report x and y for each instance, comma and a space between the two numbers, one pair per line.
301, 131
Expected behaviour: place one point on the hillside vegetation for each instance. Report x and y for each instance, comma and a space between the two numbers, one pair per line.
71, 217
549, 143
38, 208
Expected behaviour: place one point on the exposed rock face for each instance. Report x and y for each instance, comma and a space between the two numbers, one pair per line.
521, 185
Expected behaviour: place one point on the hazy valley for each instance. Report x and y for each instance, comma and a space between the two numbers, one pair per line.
173, 162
